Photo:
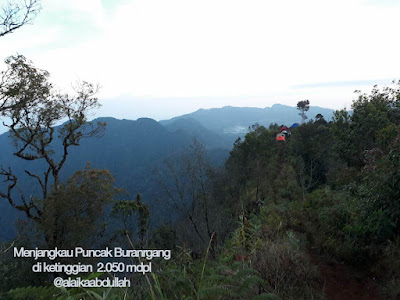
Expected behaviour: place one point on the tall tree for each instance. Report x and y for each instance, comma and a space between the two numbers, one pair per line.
15, 14
303, 106
187, 182
35, 109
126, 211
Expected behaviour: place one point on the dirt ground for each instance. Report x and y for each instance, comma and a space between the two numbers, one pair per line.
341, 282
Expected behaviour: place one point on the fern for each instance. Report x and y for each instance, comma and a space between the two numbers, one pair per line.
34, 293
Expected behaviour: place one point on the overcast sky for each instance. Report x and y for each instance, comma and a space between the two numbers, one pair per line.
162, 58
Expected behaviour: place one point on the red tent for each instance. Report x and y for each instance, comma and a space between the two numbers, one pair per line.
284, 128
280, 137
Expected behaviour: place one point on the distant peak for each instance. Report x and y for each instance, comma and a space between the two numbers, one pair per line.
102, 119
281, 105
145, 119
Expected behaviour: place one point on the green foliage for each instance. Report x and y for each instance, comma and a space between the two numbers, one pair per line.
235, 282
126, 210
266, 296
51, 292
303, 106
33, 293
80, 223
268, 244
348, 174
373, 118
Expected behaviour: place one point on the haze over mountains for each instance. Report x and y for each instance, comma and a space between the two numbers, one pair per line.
134, 150
236, 120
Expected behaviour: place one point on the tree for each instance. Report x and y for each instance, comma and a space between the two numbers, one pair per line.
16, 14
187, 183
312, 149
247, 163
126, 210
22, 85
34, 110
319, 119
371, 125
303, 106
74, 214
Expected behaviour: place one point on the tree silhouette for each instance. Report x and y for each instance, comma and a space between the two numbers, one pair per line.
33, 110
16, 14
303, 106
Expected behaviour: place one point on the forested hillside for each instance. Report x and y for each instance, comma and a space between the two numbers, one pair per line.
132, 151
265, 225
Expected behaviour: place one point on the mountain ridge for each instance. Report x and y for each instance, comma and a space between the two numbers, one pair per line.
133, 149
236, 120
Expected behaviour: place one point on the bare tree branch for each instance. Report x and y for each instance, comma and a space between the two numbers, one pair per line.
16, 14
26, 206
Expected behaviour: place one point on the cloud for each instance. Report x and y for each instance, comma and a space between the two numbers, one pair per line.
351, 83
387, 3
255, 50
88, 11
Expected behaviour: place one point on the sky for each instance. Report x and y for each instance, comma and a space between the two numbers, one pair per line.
163, 58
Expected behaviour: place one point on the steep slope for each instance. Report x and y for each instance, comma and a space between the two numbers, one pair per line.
131, 150
193, 128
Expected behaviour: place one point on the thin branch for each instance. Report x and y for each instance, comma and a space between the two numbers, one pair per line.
15, 15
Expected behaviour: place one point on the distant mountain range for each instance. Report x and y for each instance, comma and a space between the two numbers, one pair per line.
236, 120
132, 150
